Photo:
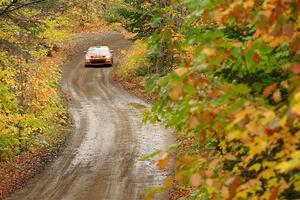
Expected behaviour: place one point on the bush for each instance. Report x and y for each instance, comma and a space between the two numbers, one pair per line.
235, 90
135, 61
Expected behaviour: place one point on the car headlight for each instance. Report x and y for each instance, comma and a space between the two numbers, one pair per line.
87, 57
108, 55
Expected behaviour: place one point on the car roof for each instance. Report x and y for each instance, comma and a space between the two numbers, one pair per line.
98, 47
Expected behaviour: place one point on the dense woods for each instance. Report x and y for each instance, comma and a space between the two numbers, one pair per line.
31, 110
226, 76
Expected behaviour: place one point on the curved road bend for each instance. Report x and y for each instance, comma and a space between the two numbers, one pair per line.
101, 161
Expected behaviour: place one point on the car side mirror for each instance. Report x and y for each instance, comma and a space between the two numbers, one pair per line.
85, 52
111, 51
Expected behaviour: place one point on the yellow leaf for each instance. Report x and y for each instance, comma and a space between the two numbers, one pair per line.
284, 84
296, 108
273, 181
277, 96
283, 121
236, 134
240, 116
249, 4
296, 155
288, 165
256, 167
209, 51
269, 163
297, 185
267, 174
260, 146
297, 96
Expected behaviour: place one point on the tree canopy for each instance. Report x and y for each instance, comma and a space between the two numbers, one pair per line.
227, 79
31, 108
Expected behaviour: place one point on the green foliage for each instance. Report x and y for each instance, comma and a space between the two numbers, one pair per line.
135, 61
234, 94
32, 112
136, 16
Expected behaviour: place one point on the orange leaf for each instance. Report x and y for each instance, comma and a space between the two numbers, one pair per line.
177, 164
169, 182
209, 182
205, 18
256, 58
269, 90
150, 196
163, 162
225, 192
270, 131
210, 172
202, 137
176, 92
249, 4
233, 187
201, 83
295, 46
275, 193
195, 180
194, 122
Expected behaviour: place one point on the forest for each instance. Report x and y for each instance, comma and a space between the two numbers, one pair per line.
32, 104
225, 74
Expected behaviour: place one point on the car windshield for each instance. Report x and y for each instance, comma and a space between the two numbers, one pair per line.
98, 50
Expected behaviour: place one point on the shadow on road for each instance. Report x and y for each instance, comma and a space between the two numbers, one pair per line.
98, 66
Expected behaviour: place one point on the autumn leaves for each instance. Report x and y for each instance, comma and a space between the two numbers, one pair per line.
31, 108
235, 96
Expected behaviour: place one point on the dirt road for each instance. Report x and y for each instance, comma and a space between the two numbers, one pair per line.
101, 160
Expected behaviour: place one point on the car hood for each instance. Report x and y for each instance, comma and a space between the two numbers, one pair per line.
97, 55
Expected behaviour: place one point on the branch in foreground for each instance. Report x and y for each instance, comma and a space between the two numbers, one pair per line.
8, 9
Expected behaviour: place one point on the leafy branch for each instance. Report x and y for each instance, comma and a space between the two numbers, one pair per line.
16, 5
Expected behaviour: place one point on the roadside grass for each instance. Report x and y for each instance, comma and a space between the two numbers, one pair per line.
135, 60
134, 70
